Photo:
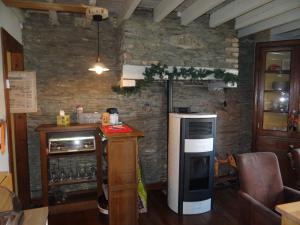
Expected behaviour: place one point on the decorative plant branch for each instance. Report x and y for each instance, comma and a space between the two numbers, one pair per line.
163, 73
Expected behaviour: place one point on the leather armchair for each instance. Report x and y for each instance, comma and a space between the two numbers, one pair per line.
261, 189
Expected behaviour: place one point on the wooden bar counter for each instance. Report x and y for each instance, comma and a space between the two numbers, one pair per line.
122, 150
290, 213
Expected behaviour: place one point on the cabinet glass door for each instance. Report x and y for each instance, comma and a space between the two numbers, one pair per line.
276, 91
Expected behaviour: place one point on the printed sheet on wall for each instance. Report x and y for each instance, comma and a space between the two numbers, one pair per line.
22, 92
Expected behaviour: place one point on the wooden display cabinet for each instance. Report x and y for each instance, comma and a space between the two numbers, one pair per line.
277, 101
77, 200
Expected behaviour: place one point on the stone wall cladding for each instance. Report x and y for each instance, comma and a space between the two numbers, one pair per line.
62, 54
147, 42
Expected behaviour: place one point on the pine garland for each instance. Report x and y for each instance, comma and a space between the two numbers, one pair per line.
163, 73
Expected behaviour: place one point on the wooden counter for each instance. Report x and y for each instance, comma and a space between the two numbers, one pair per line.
122, 150
37, 216
290, 213
6, 180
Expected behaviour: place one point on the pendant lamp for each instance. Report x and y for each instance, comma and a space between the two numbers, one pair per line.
98, 67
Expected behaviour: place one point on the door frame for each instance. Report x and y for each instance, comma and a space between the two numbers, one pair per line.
10, 44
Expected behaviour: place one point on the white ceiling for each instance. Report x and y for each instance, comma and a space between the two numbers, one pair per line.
281, 17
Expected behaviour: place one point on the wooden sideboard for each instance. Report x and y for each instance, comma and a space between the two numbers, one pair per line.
122, 150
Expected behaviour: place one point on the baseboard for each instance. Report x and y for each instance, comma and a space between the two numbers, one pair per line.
156, 186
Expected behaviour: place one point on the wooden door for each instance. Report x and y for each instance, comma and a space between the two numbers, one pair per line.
13, 60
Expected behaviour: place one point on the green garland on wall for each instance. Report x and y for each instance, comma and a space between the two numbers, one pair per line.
163, 73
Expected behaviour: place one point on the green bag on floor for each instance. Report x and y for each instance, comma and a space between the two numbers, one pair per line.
142, 193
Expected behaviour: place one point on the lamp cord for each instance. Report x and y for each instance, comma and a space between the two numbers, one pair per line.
98, 42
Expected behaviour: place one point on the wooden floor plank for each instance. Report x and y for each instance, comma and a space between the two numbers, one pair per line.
225, 212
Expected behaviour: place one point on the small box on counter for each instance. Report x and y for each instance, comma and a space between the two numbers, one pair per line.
63, 120
89, 117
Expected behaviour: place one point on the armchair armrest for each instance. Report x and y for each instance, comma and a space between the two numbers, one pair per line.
291, 195
13, 216
255, 213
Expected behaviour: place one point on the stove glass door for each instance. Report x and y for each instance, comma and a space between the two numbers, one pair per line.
198, 175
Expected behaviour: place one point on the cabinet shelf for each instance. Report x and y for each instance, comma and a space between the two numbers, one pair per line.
59, 154
70, 182
275, 111
283, 72
74, 201
276, 91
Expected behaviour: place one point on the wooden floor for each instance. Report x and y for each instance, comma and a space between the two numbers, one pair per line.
225, 212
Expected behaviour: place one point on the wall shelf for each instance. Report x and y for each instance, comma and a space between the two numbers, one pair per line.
131, 73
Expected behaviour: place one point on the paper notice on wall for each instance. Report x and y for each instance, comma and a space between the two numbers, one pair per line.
22, 92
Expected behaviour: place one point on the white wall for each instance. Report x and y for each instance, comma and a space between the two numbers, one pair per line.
10, 22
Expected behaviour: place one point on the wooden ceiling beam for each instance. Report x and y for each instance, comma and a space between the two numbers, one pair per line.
281, 19
197, 9
264, 12
286, 27
128, 9
46, 6
233, 10
164, 8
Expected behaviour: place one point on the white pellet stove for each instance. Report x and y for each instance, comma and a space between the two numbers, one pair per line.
190, 162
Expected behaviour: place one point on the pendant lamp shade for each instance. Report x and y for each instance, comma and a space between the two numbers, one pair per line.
98, 67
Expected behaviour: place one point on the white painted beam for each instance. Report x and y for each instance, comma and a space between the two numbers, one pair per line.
286, 27
286, 36
128, 8
127, 83
131, 73
281, 19
233, 10
264, 12
135, 72
164, 8
197, 9
294, 33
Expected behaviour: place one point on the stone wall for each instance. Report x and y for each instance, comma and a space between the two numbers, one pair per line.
145, 42
62, 54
